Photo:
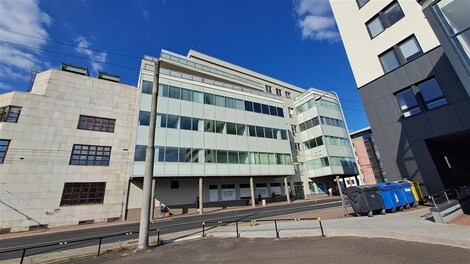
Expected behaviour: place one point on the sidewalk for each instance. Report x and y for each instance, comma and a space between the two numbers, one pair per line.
410, 225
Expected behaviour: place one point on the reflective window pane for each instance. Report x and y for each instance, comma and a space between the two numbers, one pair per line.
410, 49
172, 121
147, 87
432, 94
197, 97
185, 123
257, 107
248, 106
393, 13
389, 60
219, 100
186, 95
175, 92
231, 128
209, 99
375, 26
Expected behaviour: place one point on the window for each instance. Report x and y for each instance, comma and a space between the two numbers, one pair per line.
361, 3
232, 157
197, 97
175, 92
97, 123
163, 90
272, 110
265, 109
241, 129
197, 124
230, 102
400, 54
393, 13
252, 131
171, 154
407, 102
280, 112
220, 127
269, 132
209, 125
384, 19
410, 49
453, 15
259, 131
375, 26
144, 118
248, 106
209, 99
219, 100
76, 193
210, 156
140, 152
10, 114
161, 120
432, 94
257, 107
186, 95
147, 87
222, 156
185, 123
184, 155
3, 149
293, 129
268, 89
239, 104
231, 128
279, 92
172, 121
174, 184
291, 112
287, 94
389, 60
283, 134
90, 155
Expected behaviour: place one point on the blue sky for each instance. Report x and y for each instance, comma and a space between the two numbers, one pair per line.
293, 41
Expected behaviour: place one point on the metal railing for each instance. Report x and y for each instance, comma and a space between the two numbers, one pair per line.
65, 243
274, 221
449, 194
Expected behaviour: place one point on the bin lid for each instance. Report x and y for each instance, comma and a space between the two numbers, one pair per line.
387, 185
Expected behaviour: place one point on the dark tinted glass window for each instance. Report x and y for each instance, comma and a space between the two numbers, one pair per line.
186, 95
140, 152
272, 110
175, 92
144, 118
265, 109
257, 107
209, 99
147, 87
185, 123
280, 112
249, 106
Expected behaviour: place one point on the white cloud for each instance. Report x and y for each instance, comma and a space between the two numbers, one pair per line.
315, 19
83, 47
25, 17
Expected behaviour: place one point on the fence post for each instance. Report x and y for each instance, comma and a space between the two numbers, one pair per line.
99, 246
434, 202
275, 225
22, 256
203, 229
236, 224
158, 236
321, 227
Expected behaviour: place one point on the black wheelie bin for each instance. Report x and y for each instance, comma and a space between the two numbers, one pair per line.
365, 200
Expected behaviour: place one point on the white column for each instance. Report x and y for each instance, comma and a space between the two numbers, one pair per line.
200, 195
286, 189
252, 192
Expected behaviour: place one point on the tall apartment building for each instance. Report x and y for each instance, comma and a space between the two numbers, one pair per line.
368, 157
412, 72
222, 127
65, 150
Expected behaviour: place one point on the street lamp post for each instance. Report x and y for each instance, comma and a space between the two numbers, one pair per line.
149, 166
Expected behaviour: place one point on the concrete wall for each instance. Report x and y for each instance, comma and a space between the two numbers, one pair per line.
37, 166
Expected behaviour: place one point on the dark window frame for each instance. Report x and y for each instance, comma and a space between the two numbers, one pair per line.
88, 151
6, 115
102, 123
399, 54
3, 153
383, 18
359, 5
174, 184
83, 193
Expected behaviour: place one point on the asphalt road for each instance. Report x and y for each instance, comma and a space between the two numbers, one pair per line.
175, 224
347, 250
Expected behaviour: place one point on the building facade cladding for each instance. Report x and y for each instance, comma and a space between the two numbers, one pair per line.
41, 152
326, 150
368, 157
417, 111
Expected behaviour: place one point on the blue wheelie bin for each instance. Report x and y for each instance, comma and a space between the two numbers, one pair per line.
391, 196
407, 193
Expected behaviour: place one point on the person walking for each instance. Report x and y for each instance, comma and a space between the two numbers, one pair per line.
259, 198
330, 192
161, 207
